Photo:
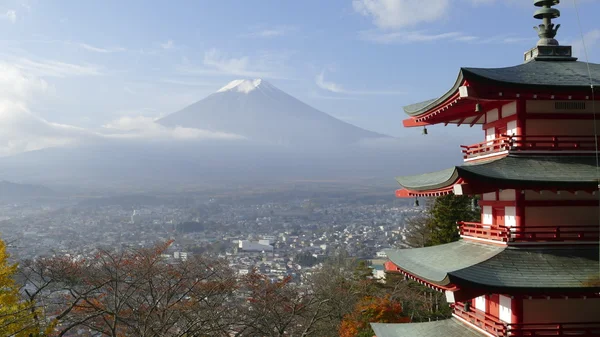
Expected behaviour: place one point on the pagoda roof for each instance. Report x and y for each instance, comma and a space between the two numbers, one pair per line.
434, 263
534, 171
447, 328
555, 268
496, 267
544, 74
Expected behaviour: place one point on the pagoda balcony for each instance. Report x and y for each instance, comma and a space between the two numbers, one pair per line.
494, 326
543, 144
480, 319
584, 329
528, 234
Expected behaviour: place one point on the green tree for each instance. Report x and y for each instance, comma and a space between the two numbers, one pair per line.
444, 212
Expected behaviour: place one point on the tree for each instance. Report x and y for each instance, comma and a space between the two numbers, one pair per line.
418, 230
445, 212
17, 317
339, 285
437, 225
276, 308
133, 293
371, 310
420, 303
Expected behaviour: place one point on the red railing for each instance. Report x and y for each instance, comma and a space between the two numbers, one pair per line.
556, 233
489, 146
554, 329
481, 231
552, 143
574, 233
496, 327
480, 319
531, 143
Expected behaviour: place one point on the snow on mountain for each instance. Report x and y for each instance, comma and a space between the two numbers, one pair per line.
261, 112
244, 86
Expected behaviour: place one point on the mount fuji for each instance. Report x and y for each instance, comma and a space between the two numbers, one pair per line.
259, 133
258, 111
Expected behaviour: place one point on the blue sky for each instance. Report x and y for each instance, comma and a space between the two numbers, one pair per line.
89, 63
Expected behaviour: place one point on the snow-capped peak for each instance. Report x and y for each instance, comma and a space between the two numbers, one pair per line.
244, 86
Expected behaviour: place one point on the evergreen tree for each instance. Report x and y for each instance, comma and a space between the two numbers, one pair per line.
444, 212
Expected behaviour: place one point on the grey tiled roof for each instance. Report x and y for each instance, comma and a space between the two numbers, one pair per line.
434, 263
525, 171
494, 267
563, 74
542, 73
445, 328
418, 106
431, 180
541, 268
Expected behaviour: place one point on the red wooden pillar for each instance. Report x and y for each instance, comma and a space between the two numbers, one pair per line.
516, 308
521, 112
520, 211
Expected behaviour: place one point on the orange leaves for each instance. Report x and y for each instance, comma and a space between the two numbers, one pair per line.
371, 310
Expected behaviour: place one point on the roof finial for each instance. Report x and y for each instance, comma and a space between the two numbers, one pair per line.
547, 31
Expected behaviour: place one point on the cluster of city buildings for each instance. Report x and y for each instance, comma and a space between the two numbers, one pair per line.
279, 239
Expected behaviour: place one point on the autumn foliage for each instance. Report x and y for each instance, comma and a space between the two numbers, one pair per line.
17, 317
371, 310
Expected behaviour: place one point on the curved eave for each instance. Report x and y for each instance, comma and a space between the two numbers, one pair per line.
535, 172
433, 264
447, 328
541, 270
568, 173
536, 75
556, 75
429, 181
423, 107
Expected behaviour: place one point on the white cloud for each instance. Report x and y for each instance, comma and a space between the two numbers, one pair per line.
21, 130
189, 83
11, 15
412, 36
50, 68
592, 40
270, 32
217, 63
338, 89
168, 45
393, 14
394, 17
129, 127
100, 50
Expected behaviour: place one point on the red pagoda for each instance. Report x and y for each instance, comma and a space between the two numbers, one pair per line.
530, 267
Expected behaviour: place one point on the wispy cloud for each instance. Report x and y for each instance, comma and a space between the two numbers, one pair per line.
189, 83
411, 36
100, 50
405, 37
217, 63
592, 40
51, 68
339, 89
22, 130
168, 45
10, 15
267, 33
137, 127
393, 20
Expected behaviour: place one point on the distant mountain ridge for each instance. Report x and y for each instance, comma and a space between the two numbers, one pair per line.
13, 190
258, 111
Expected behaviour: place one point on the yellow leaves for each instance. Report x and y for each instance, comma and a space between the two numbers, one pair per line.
16, 316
